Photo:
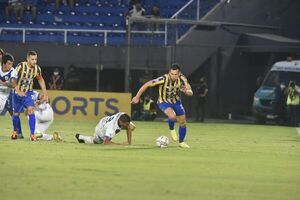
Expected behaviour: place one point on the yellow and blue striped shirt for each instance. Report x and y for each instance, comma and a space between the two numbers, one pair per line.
26, 76
169, 90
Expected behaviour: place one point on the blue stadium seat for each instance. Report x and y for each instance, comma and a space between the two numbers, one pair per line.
93, 14
45, 37
11, 36
87, 38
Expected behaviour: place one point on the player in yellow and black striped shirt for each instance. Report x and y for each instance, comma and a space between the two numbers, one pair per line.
170, 86
27, 72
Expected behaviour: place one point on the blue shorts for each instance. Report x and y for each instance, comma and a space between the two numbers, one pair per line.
177, 107
19, 103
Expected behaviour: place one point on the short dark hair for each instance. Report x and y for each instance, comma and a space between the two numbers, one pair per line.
7, 57
292, 84
125, 118
175, 66
31, 53
1, 52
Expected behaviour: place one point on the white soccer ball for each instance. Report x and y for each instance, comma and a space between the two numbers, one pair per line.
162, 141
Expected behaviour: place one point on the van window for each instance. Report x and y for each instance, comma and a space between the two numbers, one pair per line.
275, 78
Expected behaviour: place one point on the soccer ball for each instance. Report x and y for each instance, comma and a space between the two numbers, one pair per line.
162, 141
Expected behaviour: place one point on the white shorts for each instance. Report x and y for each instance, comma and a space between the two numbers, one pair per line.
41, 127
44, 119
99, 129
99, 132
3, 99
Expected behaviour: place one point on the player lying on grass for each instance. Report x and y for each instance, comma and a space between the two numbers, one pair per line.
44, 118
107, 128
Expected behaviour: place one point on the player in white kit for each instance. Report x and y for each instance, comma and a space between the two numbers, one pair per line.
44, 118
107, 128
8, 79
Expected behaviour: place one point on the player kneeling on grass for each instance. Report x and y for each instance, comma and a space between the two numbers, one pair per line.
44, 118
107, 128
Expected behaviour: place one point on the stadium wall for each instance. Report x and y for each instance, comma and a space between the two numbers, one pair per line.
232, 65
84, 56
87, 105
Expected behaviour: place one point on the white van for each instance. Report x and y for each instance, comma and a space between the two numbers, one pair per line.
268, 97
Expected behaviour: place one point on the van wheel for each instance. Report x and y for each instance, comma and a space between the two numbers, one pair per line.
260, 120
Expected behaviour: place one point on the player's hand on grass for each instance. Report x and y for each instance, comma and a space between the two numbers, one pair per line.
135, 100
125, 143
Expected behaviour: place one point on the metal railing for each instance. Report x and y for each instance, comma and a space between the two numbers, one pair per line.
66, 31
185, 6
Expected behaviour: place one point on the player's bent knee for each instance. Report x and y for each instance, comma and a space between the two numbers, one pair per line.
96, 140
172, 117
30, 111
182, 124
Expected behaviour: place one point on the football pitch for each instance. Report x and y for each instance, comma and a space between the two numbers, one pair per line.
226, 161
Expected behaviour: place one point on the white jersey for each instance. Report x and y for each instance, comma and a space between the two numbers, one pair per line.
44, 113
4, 90
35, 96
108, 126
6, 77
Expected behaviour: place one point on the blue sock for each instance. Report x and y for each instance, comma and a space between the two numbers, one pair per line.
32, 123
20, 127
16, 124
182, 133
171, 124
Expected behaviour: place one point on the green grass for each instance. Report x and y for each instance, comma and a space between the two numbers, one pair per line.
225, 161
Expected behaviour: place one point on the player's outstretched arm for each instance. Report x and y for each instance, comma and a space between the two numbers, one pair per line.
129, 135
137, 97
186, 87
132, 126
189, 91
107, 141
43, 87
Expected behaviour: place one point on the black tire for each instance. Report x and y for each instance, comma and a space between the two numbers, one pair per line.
260, 120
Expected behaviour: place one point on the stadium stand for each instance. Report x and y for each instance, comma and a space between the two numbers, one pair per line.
89, 22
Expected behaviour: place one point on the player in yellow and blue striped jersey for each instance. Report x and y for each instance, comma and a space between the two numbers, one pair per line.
170, 85
27, 72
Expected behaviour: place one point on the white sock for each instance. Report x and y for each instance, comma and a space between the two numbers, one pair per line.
46, 137
87, 139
